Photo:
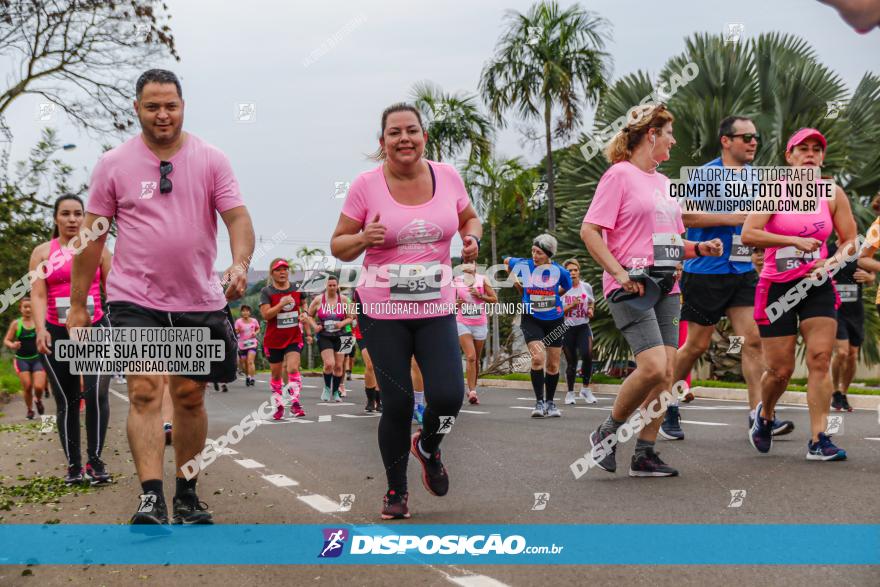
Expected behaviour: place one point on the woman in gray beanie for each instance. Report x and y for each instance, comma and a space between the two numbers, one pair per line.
542, 320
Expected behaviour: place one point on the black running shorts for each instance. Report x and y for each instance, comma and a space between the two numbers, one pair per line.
219, 323
707, 296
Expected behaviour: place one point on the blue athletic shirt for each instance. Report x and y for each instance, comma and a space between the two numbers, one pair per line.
541, 288
716, 265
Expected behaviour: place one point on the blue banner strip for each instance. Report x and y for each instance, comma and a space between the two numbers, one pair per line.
600, 544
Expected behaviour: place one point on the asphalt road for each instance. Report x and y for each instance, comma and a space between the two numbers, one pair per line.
296, 471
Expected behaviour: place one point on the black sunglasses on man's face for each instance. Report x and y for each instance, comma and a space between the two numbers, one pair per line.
746, 136
165, 186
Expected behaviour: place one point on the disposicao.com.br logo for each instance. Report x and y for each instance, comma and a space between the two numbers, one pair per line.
450, 544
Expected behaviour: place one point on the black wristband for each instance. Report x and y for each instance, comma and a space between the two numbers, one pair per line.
473, 236
697, 249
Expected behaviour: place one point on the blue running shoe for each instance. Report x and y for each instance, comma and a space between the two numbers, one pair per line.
418, 413
670, 429
761, 432
780, 427
824, 450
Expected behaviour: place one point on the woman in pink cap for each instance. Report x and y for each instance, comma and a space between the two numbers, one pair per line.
795, 294
283, 308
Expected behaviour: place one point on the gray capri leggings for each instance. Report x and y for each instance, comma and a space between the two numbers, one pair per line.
643, 330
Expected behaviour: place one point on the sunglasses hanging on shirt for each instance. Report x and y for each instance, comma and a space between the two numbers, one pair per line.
165, 185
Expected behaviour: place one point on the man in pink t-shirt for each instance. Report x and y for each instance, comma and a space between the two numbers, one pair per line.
164, 188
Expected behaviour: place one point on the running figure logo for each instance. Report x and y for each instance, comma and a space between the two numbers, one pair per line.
346, 500
834, 108
346, 343
48, 424
734, 32
541, 500
148, 501
341, 189
446, 423
334, 541
148, 189
835, 425
737, 497
736, 345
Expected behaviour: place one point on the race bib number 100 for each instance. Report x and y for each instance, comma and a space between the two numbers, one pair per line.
668, 249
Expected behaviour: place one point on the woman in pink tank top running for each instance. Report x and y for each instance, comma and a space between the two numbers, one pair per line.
50, 297
795, 293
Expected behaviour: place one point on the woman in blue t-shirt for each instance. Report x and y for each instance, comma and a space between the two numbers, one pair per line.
542, 321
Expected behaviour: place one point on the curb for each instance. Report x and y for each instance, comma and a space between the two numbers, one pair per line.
862, 402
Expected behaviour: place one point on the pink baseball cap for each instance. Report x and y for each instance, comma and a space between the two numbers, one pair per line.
280, 263
803, 134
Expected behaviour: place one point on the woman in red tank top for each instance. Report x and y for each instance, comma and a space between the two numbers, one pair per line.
795, 294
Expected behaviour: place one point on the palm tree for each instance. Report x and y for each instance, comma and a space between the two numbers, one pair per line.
453, 123
548, 58
777, 80
497, 188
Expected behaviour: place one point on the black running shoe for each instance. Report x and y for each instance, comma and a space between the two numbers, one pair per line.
394, 506
846, 405
189, 510
30, 415
608, 462
649, 465
434, 476
74, 475
224, 389
96, 472
152, 510
41, 409
837, 400
369, 407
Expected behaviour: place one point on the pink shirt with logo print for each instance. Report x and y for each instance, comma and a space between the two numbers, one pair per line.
415, 235
166, 244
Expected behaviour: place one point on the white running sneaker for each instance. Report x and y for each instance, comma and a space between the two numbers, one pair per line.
587, 395
569, 398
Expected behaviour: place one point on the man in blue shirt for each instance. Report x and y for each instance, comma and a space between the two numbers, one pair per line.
713, 287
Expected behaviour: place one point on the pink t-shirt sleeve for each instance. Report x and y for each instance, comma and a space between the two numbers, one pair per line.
227, 194
355, 206
606, 202
102, 195
462, 200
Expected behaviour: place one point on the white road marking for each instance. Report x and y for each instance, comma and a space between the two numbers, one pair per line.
119, 395
280, 480
324, 418
358, 415
591, 408
472, 412
872, 438
703, 423
521, 408
249, 463
325, 505
476, 581
334, 404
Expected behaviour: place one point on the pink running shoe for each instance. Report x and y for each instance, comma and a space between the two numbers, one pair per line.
296, 410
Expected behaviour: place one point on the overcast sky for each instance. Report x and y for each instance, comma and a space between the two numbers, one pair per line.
315, 122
